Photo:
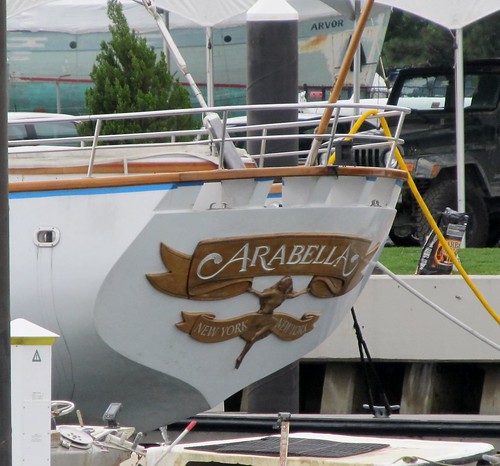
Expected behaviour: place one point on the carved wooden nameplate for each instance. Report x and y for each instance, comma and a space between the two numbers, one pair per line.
225, 268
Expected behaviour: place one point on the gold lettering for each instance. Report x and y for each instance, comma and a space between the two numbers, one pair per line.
216, 258
308, 253
291, 329
279, 255
261, 252
318, 259
296, 254
330, 259
345, 259
206, 330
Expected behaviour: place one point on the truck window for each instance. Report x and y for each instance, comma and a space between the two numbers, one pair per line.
424, 92
482, 91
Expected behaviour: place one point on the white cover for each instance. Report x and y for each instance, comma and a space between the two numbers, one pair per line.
15, 7
86, 16
80, 17
24, 14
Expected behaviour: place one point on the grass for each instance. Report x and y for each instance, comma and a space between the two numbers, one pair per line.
475, 261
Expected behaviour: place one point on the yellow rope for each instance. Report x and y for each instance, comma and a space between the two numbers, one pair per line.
425, 209
436, 229
354, 129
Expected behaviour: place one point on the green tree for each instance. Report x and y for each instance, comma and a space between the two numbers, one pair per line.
412, 41
482, 38
128, 77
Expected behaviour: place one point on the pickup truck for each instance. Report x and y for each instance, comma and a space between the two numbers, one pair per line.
430, 149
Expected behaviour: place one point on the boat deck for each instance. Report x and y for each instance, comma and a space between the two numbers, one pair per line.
310, 447
483, 428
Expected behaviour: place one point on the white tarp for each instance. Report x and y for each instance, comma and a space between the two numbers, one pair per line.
207, 13
87, 16
215, 13
15, 7
77, 17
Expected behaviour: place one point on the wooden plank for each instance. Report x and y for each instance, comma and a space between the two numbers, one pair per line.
208, 176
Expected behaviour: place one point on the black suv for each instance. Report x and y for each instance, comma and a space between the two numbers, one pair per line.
430, 149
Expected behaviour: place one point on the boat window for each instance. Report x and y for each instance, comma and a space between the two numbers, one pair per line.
58, 129
17, 132
44, 130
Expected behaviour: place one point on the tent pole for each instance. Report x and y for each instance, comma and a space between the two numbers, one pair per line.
175, 51
459, 120
166, 51
210, 66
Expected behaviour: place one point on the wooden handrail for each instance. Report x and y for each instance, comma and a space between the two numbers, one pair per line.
204, 176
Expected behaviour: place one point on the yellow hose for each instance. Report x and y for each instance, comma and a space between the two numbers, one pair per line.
354, 129
436, 229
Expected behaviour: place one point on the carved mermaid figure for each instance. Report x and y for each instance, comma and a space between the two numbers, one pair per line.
269, 299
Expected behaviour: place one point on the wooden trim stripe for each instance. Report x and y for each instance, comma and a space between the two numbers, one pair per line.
204, 176
117, 168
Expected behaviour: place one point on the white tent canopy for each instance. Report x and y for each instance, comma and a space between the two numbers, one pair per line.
85, 16
208, 13
15, 7
80, 17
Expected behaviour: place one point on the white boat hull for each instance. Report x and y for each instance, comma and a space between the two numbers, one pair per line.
91, 262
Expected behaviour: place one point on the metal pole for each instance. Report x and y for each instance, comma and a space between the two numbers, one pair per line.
179, 59
284, 420
210, 66
58, 91
5, 390
459, 122
166, 51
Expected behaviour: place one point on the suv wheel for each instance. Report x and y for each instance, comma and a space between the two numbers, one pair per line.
442, 194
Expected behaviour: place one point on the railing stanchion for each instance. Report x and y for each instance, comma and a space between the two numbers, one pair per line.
94, 147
